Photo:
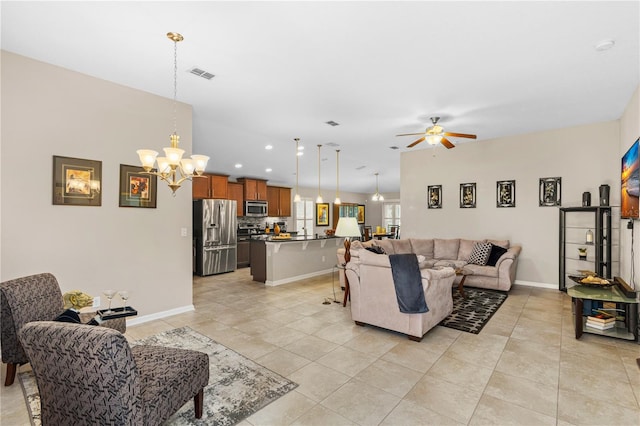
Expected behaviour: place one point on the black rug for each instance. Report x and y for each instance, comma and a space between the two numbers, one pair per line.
471, 314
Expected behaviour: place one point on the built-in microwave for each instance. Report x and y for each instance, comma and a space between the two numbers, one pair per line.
255, 208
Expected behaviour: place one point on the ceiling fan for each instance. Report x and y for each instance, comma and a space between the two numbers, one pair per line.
435, 134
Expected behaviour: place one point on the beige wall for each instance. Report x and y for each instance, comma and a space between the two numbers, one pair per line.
47, 111
585, 157
629, 132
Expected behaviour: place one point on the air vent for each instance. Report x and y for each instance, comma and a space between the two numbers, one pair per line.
201, 73
361, 167
332, 123
393, 147
332, 144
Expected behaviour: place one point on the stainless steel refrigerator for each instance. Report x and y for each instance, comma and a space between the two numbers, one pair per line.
215, 234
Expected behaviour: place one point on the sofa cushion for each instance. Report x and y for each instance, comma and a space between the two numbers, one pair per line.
480, 253
387, 246
422, 246
445, 249
368, 258
483, 271
455, 264
401, 246
501, 243
466, 247
496, 253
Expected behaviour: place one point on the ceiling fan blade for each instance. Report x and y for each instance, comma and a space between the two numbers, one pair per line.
447, 143
411, 134
416, 142
460, 135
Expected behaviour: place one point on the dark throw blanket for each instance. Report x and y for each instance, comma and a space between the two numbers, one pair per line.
408, 283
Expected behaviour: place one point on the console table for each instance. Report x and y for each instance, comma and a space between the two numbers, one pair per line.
627, 330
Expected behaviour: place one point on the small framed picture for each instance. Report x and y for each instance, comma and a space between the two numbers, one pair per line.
137, 189
434, 196
468, 195
322, 214
550, 191
360, 213
506, 193
76, 182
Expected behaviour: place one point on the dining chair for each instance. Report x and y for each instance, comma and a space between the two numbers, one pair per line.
394, 230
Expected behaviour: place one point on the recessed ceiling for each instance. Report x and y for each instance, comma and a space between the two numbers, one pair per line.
285, 69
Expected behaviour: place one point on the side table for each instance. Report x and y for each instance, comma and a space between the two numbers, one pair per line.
627, 330
462, 272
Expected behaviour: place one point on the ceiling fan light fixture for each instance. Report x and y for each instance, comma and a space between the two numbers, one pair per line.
434, 139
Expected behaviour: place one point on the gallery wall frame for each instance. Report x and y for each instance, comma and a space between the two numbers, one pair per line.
468, 195
137, 189
322, 214
434, 196
506, 193
550, 191
76, 181
361, 213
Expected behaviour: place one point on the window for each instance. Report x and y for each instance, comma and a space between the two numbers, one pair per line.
304, 218
390, 214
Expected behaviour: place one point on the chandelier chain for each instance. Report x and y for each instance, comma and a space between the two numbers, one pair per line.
175, 86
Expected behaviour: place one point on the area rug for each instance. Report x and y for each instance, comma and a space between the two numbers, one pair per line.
238, 387
472, 313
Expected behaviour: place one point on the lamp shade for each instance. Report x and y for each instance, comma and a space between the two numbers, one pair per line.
347, 227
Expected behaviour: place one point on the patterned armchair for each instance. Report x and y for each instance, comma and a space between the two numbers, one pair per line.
100, 379
33, 298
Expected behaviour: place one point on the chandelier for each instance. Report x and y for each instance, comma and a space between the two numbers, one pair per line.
377, 196
173, 163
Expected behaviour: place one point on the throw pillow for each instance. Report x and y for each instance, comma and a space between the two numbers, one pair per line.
496, 253
375, 249
480, 254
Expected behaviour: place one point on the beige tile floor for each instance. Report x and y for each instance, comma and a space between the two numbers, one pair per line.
524, 368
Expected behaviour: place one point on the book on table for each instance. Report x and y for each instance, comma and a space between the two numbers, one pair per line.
602, 318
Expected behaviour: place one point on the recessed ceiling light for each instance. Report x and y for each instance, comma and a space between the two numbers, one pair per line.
268, 147
604, 45
238, 165
268, 170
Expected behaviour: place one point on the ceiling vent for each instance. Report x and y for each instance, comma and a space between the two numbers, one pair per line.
201, 73
393, 147
332, 123
360, 168
332, 144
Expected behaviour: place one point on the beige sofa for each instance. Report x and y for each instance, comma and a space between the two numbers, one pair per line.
374, 301
453, 252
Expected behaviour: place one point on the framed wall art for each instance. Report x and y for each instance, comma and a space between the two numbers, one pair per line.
434, 196
468, 195
506, 193
550, 191
322, 214
76, 181
360, 213
137, 189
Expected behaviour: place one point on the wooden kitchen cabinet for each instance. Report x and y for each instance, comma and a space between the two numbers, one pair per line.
236, 192
254, 189
209, 186
279, 200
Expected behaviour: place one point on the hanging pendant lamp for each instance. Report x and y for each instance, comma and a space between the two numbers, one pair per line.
337, 200
296, 198
319, 199
377, 196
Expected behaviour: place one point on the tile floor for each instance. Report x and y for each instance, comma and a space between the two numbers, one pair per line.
524, 368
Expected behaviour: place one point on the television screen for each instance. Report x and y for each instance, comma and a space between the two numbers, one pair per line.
630, 183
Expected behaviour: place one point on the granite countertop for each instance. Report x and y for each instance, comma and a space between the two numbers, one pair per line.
271, 239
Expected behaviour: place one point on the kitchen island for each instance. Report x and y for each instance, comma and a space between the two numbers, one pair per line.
279, 261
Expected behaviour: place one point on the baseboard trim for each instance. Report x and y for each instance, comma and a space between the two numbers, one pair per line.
159, 315
536, 284
297, 278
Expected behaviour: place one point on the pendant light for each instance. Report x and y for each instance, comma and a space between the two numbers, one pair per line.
319, 199
172, 163
296, 198
377, 196
337, 200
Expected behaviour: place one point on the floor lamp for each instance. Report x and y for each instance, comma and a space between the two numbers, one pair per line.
347, 228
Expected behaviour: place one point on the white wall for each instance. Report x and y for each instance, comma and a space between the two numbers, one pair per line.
629, 132
47, 111
585, 157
